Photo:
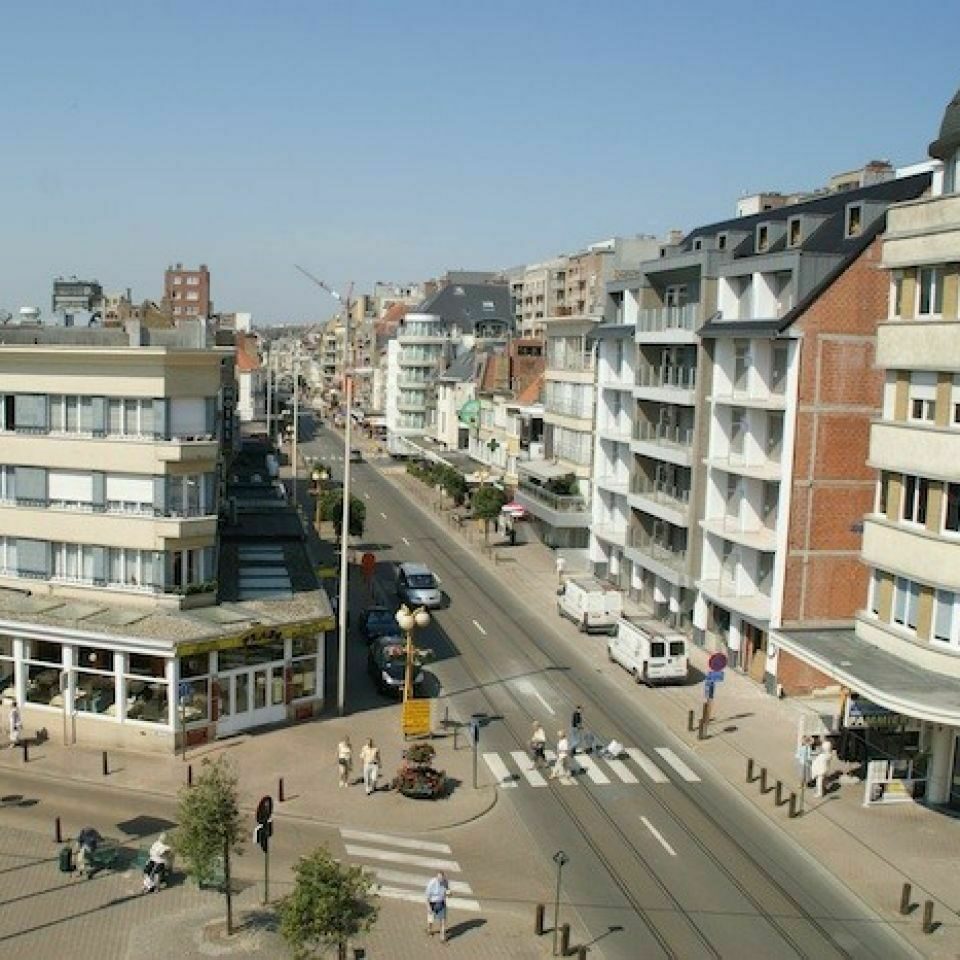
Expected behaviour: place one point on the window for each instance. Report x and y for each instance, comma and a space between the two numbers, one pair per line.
896, 293
946, 622
794, 232
774, 436
721, 241
193, 281
923, 410
905, 596
741, 365
951, 515
930, 292
698, 244
738, 431
915, 490
193, 295
854, 220
763, 238
883, 489
778, 368
43, 673
177, 281
873, 599
923, 396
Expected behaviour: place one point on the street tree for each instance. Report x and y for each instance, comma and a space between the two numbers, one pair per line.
487, 503
210, 828
331, 903
331, 508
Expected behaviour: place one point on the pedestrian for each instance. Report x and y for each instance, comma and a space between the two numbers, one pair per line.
16, 724
561, 565
344, 761
563, 756
576, 728
538, 745
822, 766
802, 760
437, 904
370, 758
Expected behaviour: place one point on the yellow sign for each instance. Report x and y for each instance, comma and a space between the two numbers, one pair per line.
256, 636
416, 718
324, 572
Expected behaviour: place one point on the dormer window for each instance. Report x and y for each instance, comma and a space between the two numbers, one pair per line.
763, 238
698, 244
663, 252
794, 232
721, 241
854, 220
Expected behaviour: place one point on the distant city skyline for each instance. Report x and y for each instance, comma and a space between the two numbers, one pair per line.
383, 142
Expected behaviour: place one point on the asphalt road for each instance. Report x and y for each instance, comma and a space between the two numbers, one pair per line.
681, 868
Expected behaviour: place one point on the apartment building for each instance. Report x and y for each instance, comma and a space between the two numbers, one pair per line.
537, 291
76, 296
113, 461
903, 653
186, 292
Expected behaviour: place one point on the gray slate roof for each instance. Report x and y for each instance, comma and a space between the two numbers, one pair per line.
466, 304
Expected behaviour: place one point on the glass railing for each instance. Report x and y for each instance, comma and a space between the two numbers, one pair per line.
674, 557
674, 378
670, 436
662, 492
562, 503
658, 319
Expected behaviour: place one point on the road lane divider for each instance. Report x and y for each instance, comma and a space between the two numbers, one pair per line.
658, 836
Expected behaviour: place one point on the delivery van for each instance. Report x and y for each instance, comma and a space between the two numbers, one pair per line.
590, 604
649, 650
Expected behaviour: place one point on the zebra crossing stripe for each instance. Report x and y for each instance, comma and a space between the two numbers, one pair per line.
525, 764
678, 764
425, 845
417, 880
593, 771
622, 771
394, 856
500, 770
455, 903
565, 778
647, 765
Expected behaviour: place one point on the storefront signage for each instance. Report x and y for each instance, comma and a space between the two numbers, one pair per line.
861, 713
256, 637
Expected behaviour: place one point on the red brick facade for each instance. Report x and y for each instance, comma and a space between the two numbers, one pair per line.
840, 391
799, 679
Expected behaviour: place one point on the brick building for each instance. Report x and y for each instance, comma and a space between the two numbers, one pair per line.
186, 293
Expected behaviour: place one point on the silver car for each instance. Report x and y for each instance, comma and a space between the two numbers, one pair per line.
418, 586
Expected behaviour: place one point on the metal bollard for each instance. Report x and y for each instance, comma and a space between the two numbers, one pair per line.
582, 952
26, 751
456, 728
106, 765
564, 939
792, 809
691, 723
57, 832
778, 793
928, 916
750, 765
538, 920
280, 791
905, 904
702, 729
189, 774
763, 779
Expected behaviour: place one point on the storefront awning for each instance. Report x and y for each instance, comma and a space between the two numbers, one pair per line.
888, 680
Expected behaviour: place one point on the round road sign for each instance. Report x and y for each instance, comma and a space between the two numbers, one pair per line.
717, 662
264, 809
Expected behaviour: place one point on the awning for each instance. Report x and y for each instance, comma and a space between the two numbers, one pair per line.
893, 682
515, 509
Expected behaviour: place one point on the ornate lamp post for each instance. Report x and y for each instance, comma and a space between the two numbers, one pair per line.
407, 620
319, 476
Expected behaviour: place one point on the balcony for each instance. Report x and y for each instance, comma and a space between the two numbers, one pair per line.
668, 324
759, 537
912, 552
615, 428
668, 384
922, 231
723, 592
663, 442
615, 533
416, 383
667, 557
675, 497
735, 463
909, 344
900, 446
557, 510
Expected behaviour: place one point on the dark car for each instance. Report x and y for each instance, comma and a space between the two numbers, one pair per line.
387, 663
377, 622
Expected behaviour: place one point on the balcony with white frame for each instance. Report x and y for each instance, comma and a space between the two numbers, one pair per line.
675, 324
662, 441
745, 441
667, 383
661, 499
742, 510
737, 578
616, 364
658, 551
751, 372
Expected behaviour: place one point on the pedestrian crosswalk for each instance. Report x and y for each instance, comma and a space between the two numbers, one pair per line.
404, 865
517, 767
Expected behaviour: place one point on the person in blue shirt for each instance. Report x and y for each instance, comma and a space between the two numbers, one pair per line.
437, 904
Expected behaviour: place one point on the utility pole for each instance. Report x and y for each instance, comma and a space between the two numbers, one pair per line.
296, 417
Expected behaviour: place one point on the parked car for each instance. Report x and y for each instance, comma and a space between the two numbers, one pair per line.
377, 622
590, 604
651, 652
387, 663
418, 586
356, 455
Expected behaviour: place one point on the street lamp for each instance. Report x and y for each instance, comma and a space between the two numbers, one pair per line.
407, 619
319, 476
559, 858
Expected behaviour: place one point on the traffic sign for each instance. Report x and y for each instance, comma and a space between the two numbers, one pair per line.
415, 720
184, 691
474, 731
264, 809
717, 662
715, 676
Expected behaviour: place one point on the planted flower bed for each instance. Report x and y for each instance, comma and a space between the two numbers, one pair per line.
416, 778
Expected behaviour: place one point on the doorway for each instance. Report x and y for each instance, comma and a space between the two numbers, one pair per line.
753, 642
251, 697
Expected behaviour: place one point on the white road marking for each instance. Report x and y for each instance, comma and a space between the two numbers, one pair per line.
622, 771
678, 764
564, 778
477, 625
527, 687
418, 880
393, 856
666, 846
527, 769
456, 903
410, 844
499, 769
405, 540
593, 771
382, 514
647, 765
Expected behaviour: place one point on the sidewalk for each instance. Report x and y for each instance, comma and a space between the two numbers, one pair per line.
873, 851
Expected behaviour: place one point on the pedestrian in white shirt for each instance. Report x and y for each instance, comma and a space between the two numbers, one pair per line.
344, 761
437, 904
562, 762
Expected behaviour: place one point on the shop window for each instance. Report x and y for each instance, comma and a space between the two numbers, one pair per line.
95, 693
45, 651
305, 646
143, 665
43, 685
148, 701
195, 700
195, 666
94, 658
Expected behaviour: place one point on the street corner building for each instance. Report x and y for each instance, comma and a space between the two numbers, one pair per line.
154, 588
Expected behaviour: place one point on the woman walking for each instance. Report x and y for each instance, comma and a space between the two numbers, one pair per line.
437, 904
344, 761
370, 758
538, 745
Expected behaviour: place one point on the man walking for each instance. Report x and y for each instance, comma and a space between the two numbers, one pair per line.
563, 756
538, 745
344, 761
437, 904
16, 724
576, 728
370, 758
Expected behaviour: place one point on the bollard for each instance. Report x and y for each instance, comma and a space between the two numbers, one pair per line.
280, 791
26, 751
905, 899
57, 832
778, 793
538, 920
928, 916
106, 766
564, 939
189, 774
702, 729
456, 728
750, 764
582, 952
792, 809
446, 714
690, 721
763, 779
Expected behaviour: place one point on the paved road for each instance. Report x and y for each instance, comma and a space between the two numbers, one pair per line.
665, 859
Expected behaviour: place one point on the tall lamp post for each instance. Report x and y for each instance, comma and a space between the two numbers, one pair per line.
345, 520
560, 859
319, 476
407, 620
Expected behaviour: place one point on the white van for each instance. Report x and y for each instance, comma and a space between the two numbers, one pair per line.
652, 652
590, 604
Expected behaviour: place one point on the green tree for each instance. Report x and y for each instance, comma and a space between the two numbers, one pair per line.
331, 508
487, 503
209, 826
330, 905
565, 485
455, 483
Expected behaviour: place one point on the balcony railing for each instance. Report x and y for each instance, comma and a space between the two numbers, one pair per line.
658, 319
674, 378
669, 494
582, 411
657, 549
670, 436
562, 503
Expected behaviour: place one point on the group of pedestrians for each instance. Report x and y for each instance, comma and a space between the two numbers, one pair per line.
568, 742
369, 760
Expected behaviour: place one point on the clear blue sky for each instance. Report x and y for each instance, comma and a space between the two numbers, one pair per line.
395, 140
